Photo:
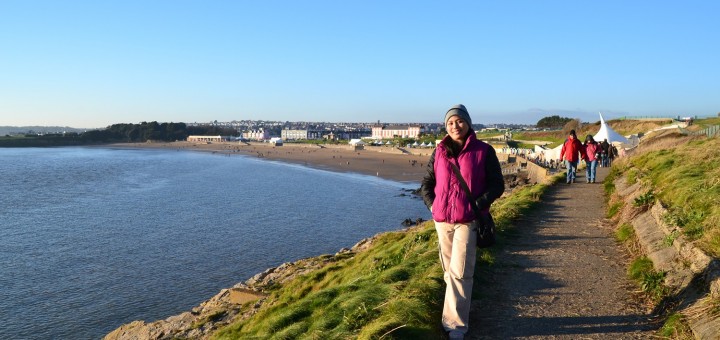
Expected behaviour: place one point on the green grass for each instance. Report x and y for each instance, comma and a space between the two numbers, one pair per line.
707, 122
641, 270
614, 209
669, 239
675, 327
358, 297
609, 182
624, 232
645, 200
686, 180
632, 176
393, 290
553, 137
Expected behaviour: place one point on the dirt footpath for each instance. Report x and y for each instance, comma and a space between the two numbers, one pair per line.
561, 275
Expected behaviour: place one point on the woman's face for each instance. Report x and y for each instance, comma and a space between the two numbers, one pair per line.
457, 128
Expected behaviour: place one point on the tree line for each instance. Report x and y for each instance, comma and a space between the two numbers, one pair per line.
122, 133
552, 122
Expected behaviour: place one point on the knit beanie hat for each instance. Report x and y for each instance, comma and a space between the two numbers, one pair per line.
460, 111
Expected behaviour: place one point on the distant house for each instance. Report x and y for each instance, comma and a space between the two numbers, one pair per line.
260, 134
295, 134
392, 131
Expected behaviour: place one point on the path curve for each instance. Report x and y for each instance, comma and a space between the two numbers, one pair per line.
561, 275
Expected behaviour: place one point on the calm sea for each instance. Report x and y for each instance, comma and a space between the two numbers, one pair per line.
91, 238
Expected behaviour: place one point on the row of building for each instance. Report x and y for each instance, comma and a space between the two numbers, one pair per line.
377, 132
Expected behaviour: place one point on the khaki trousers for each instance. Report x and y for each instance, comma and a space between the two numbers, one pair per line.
457, 256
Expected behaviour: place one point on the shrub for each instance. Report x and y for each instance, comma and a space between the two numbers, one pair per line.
645, 200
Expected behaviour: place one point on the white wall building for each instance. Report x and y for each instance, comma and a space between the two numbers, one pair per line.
392, 131
260, 134
207, 138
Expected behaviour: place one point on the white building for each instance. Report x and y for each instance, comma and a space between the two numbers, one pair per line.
392, 131
208, 138
260, 134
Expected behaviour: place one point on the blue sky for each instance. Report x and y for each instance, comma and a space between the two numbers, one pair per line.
96, 63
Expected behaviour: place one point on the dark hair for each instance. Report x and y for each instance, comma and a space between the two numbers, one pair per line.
589, 138
572, 132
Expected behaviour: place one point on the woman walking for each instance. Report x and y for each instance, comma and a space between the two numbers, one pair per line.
452, 211
591, 152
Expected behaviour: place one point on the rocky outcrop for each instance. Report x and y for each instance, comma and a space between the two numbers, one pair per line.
692, 275
230, 305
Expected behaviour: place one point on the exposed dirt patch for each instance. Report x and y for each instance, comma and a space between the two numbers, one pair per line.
561, 275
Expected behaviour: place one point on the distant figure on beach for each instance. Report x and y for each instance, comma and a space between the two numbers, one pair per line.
452, 211
570, 153
591, 152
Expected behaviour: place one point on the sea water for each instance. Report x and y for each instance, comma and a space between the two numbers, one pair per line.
91, 238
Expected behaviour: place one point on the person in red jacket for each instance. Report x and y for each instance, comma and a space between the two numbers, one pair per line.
591, 153
571, 153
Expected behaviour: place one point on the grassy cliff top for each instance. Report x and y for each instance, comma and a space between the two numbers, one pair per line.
394, 289
683, 172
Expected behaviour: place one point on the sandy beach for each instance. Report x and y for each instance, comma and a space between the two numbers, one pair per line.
402, 165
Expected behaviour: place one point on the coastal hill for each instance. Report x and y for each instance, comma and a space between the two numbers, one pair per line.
661, 211
12, 130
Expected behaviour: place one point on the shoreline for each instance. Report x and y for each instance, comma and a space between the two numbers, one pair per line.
400, 165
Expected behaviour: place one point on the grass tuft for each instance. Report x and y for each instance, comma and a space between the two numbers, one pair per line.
624, 232
614, 209
675, 327
641, 270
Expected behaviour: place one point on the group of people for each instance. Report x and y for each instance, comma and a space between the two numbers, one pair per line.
592, 152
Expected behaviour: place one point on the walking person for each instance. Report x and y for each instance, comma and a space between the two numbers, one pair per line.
591, 152
612, 154
605, 153
570, 153
452, 211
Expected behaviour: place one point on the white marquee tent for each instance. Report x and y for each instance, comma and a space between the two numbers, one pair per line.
606, 132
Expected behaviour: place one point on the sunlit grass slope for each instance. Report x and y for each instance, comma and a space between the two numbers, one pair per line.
684, 174
393, 290
623, 127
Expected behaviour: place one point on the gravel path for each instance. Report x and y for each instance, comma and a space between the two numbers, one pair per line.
560, 276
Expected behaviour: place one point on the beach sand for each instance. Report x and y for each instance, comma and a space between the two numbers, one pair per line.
402, 165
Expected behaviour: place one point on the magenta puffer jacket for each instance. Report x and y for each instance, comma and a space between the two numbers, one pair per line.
590, 149
451, 204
